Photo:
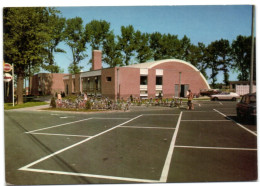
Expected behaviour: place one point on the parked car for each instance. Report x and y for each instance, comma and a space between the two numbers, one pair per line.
246, 108
209, 92
225, 96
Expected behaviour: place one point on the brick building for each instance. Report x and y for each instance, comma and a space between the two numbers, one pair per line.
170, 77
46, 84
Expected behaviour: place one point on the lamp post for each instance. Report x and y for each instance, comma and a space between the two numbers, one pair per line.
252, 51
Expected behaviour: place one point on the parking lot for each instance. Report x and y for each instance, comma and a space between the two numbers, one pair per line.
144, 145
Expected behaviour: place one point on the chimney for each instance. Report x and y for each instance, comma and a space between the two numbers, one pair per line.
96, 60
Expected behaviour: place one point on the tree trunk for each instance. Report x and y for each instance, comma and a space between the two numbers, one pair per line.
19, 90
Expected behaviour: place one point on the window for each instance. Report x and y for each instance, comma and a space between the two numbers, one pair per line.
143, 80
109, 79
158, 80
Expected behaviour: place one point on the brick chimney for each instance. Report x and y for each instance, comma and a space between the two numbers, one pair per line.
96, 60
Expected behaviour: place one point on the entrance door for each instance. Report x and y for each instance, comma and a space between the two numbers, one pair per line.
182, 91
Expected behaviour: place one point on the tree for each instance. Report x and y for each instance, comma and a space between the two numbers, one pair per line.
127, 43
201, 62
155, 45
111, 51
212, 62
74, 38
96, 33
56, 26
241, 54
185, 48
25, 40
223, 52
142, 48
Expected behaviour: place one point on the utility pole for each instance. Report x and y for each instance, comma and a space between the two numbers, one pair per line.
252, 51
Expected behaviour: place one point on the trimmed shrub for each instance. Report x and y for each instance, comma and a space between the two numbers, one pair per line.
53, 102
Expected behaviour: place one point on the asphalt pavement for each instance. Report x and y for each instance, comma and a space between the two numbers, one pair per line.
143, 145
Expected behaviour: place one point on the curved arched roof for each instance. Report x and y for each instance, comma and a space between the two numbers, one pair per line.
148, 65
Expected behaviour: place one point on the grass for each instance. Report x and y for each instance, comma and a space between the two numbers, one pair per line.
9, 106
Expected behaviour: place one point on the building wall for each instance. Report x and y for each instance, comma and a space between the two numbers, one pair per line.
108, 88
171, 77
129, 82
151, 85
47, 83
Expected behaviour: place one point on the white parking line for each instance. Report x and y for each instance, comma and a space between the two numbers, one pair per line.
207, 120
161, 114
216, 148
92, 175
74, 145
109, 118
220, 103
236, 123
58, 125
167, 163
147, 127
51, 134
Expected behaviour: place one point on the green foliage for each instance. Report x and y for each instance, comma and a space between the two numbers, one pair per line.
241, 54
111, 51
88, 105
26, 39
53, 102
142, 48
74, 38
96, 33
127, 43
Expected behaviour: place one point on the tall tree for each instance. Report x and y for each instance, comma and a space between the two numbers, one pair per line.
212, 62
155, 45
185, 48
127, 43
111, 51
142, 48
25, 40
96, 33
74, 37
56, 26
223, 57
241, 53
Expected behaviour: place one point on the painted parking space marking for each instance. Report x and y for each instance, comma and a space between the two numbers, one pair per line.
109, 118
161, 114
238, 124
92, 175
215, 148
167, 163
58, 125
147, 127
206, 120
27, 167
51, 134
63, 117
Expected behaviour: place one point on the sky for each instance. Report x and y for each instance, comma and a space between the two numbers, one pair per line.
204, 24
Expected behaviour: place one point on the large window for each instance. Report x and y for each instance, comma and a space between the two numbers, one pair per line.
143, 80
159, 80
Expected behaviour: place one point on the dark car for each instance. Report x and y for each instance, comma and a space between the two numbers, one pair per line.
246, 108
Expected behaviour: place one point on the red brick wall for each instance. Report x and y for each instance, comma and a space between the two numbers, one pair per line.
50, 83
151, 83
188, 76
129, 82
96, 60
108, 88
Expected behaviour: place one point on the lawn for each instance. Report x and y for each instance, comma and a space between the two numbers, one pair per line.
8, 106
